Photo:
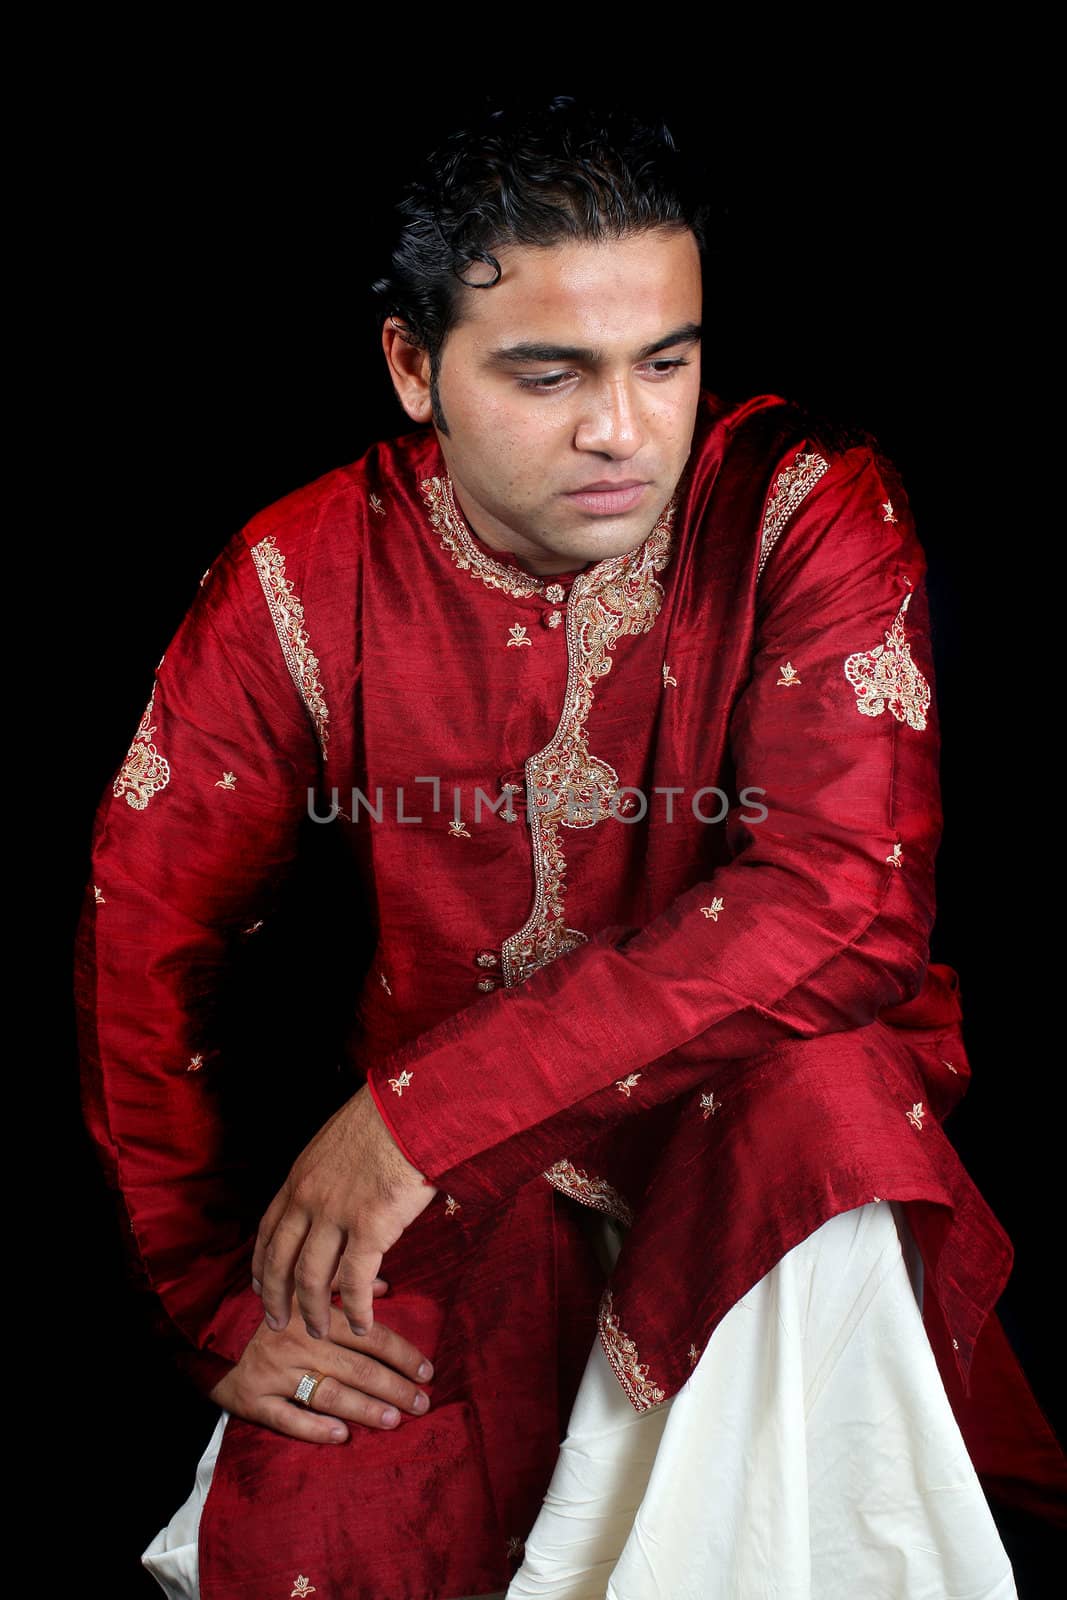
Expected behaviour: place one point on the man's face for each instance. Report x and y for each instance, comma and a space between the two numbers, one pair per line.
580, 367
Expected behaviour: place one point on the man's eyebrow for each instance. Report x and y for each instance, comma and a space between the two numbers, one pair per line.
528, 350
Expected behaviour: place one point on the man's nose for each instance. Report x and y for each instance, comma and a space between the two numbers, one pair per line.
611, 421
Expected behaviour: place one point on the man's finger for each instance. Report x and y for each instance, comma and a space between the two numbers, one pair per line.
316, 1427
356, 1273
270, 1220
312, 1273
278, 1262
387, 1346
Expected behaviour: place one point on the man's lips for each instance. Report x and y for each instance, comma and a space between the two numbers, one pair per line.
606, 498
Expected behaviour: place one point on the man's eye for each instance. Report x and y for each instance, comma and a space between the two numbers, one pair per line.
664, 368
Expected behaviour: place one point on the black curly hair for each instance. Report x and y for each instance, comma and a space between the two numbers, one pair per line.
533, 172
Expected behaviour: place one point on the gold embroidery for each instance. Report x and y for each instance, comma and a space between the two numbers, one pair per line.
456, 538
566, 785
301, 1588
384, 981
451, 1206
515, 1547
667, 678
624, 1085
144, 771
555, 593
596, 1193
622, 1353
790, 487
916, 1114
887, 676
195, 1063
203, 580
890, 514
98, 897
789, 676
403, 1082
518, 636
876, 1198
713, 910
896, 859
288, 615
694, 1355
457, 830
950, 1067
227, 781
253, 927
376, 505
709, 1104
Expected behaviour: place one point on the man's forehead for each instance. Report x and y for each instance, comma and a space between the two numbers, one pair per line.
618, 291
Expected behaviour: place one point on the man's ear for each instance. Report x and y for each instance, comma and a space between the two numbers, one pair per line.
409, 368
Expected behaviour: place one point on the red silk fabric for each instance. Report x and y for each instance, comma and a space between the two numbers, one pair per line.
721, 1032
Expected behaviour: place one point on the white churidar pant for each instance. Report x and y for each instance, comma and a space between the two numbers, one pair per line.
811, 1455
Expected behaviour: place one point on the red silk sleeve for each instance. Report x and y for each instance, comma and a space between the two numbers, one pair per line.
820, 919
190, 843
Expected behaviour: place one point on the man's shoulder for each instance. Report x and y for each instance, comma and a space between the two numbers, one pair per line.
343, 504
769, 425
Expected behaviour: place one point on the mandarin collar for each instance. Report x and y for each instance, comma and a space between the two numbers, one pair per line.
501, 570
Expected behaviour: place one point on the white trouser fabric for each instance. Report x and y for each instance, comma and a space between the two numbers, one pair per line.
811, 1455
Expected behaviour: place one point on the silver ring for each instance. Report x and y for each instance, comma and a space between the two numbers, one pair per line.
305, 1389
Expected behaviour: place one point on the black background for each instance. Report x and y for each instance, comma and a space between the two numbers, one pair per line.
219, 350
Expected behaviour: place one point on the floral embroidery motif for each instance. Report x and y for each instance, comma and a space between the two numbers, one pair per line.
555, 593
403, 1082
621, 1351
227, 781
955, 1344
709, 1104
301, 1588
890, 514
203, 579
376, 505
950, 1067
713, 910
624, 1085
896, 859
457, 540
887, 676
457, 830
288, 615
596, 1193
144, 771
790, 487
566, 786
98, 897
518, 636
789, 676
195, 1063
384, 981
515, 1547
451, 1206
668, 677
253, 927
694, 1355
876, 1198
916, 1114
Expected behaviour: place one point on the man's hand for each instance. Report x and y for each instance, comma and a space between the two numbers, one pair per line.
349, 1197
364, 1380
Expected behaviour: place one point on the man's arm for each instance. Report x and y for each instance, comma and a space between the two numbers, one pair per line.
190, 844
819, 921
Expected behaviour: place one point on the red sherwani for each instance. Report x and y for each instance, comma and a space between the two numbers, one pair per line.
649, 848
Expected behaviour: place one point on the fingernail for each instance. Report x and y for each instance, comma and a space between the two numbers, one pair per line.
313, 1332
420, 1402
339, 1434
425, 1371
272, 1322
390, 1416
357, 1328
257, 1286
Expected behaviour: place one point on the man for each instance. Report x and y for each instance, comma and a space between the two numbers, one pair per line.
619, 695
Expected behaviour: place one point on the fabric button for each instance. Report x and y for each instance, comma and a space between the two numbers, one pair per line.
487, 958
552, 619
516, 782
486, 984
555, 593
